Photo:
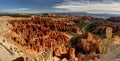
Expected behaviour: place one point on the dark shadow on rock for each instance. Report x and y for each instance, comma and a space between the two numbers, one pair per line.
19, 59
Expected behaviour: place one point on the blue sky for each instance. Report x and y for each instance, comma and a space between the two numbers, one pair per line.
46, 6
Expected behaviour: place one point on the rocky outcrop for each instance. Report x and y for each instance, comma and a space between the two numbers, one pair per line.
89, 57
83, 19
44, 37
32, 35
114, 19
64, 26
100, 26
89, 44
119, 33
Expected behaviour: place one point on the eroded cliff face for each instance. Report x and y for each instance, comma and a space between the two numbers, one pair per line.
57, 25
8, 49
36, 36
33, 38
113, 19
83, 19
89, 44
100, 27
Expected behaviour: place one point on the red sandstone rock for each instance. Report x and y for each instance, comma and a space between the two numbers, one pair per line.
72, 53
89, 44
33, 35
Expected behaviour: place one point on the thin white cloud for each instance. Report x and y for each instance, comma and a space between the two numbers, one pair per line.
91, 7
19, 9
15, 10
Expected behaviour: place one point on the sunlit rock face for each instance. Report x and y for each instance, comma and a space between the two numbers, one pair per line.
35, 37
56, 59
57, 25
109, 32
116, 40
89, 44
72, 53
